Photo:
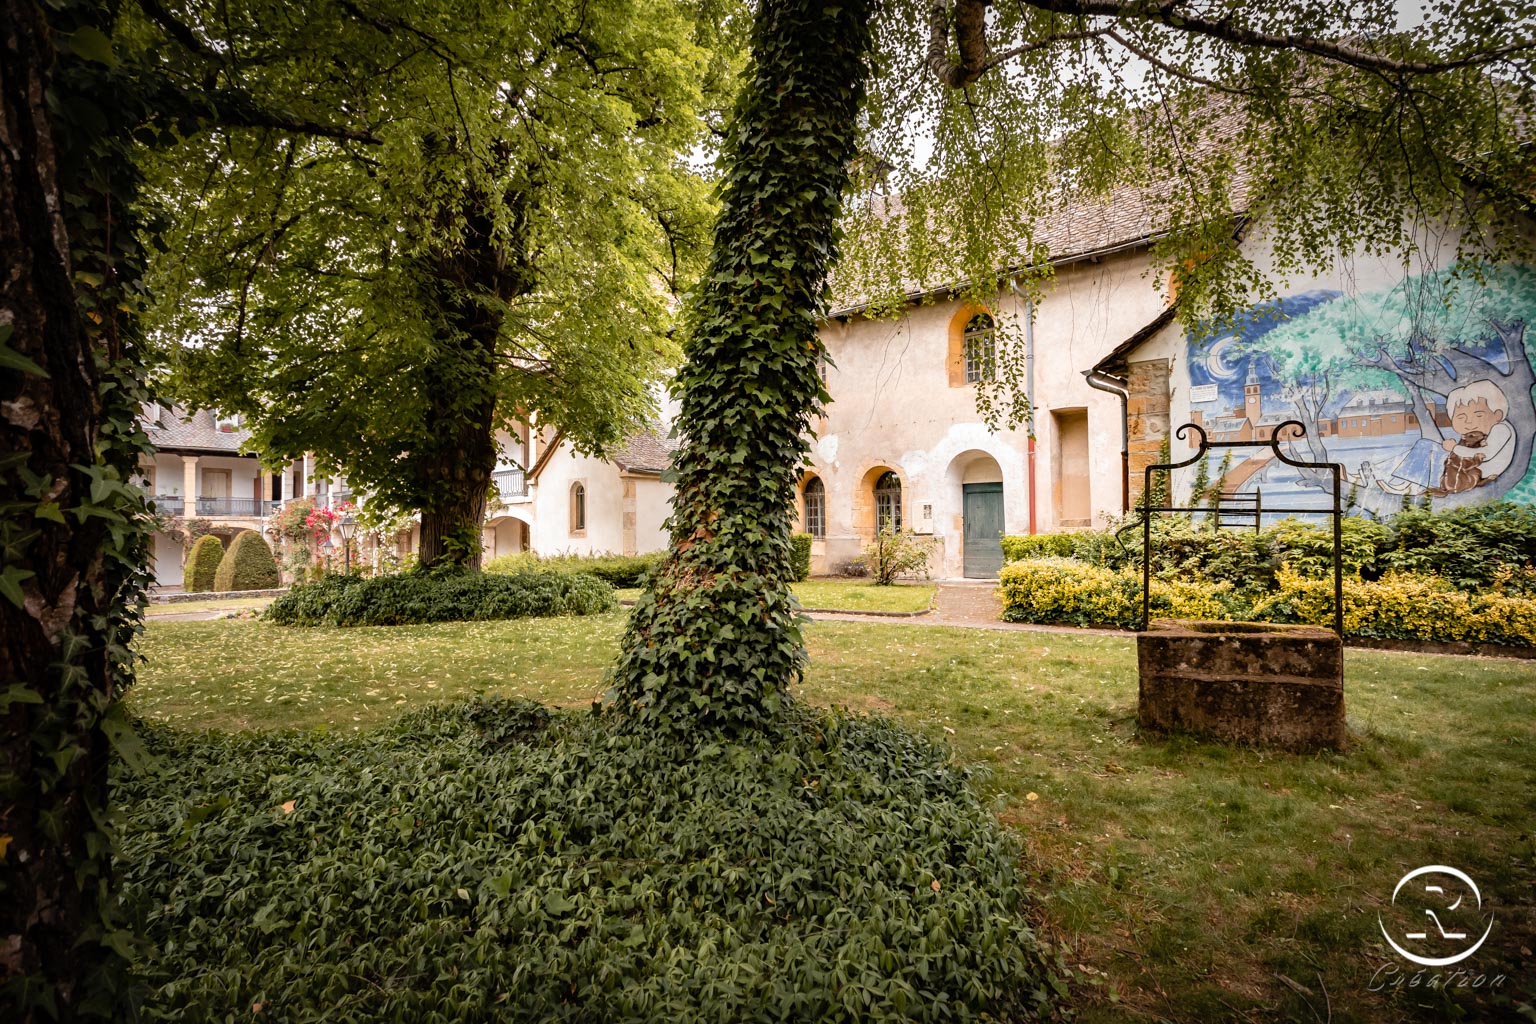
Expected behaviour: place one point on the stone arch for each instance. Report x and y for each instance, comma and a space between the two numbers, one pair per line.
811, 482
977, 523
864, 504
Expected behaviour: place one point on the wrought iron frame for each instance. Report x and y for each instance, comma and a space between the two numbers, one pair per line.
1205, 445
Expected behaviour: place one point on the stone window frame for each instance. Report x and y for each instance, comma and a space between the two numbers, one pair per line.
959, 372
578, 509
814, 516
978, 342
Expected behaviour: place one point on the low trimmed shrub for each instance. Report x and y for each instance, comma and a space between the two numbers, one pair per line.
247, 565
489, 862
1399, 606
620, 571
800, 555
1476, 548
893, 555
1063, 590
418, 597
202, 568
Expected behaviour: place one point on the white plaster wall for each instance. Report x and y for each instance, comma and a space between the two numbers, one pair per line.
893, 406
653, 504
605, 506
165, 553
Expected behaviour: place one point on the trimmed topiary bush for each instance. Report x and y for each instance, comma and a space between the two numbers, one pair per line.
448, 596
203, 564
247, 565
490, 861
622, 571
800, 555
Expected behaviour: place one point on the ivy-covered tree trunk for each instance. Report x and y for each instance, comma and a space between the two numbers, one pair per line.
714, 641
71, 530
469, 282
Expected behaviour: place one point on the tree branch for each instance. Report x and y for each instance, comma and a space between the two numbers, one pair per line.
1174, 15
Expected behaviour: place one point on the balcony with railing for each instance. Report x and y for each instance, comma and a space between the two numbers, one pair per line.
510, 483
249, 507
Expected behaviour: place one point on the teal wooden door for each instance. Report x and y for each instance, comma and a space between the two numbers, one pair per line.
983, 530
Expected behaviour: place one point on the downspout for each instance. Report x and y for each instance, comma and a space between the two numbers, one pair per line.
1029, 392
1118, 386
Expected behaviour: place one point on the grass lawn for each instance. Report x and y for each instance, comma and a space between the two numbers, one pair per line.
851, 596
1190, 881
212, 604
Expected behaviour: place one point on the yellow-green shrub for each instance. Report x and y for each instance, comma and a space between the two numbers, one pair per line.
1063, 590
203, 564
1399, 606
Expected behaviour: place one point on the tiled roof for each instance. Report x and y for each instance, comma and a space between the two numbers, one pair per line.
176, 429
649, 451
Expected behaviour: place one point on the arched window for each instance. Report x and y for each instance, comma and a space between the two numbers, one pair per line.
815, 507
578, 507
980, 349
888, 502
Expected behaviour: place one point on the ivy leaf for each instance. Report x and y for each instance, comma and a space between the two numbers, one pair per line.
10, 584
12, 360
92, 44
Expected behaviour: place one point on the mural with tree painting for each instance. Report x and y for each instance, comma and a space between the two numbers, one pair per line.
1422, 391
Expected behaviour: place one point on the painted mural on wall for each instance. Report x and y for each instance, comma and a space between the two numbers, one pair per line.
1421, 391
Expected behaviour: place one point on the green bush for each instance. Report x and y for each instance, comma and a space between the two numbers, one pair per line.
447, 596
1471, 546
622, 571
247, 565
203, 564
1069, 592
892, 555
800, 555
488, 862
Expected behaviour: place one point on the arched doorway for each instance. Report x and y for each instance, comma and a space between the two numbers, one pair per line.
980, 481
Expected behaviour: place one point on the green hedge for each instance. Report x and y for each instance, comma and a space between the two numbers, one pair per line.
1399, 606
800, 555
203, 564
247, 565
417, 597
1474, 548
622, 571
489, 862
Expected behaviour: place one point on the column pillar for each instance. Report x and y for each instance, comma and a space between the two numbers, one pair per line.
189, 484
309, 476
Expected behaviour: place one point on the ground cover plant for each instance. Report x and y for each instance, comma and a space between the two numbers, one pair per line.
1183, 877
486, 861
438, 596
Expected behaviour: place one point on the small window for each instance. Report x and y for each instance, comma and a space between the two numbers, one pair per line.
888, 502
578, 507
815, 507
980, 349
821, 367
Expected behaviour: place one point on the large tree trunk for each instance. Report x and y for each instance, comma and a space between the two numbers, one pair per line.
458, 454
714, 640
71, 531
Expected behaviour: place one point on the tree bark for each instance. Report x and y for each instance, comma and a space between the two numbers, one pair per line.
714, 642
69, 590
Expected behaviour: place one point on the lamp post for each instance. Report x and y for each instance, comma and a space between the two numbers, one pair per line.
348, 526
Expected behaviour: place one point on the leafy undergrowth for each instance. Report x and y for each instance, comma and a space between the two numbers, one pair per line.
490, 861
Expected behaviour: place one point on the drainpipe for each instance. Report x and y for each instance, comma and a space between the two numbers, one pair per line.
1029, 392
1118, 386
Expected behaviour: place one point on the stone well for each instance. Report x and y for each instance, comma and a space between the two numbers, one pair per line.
1243, 682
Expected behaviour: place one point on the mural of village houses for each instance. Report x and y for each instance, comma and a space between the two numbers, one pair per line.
1421, 391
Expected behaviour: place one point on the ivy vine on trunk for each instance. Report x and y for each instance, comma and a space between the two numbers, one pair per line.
714, 641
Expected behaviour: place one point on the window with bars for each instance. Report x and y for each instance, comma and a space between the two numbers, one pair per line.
888, 502
815, 507
980, 349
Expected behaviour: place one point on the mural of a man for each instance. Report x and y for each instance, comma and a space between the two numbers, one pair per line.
1486, 442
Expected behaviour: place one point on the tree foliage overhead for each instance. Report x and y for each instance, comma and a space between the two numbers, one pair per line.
1333, 128
491, 223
